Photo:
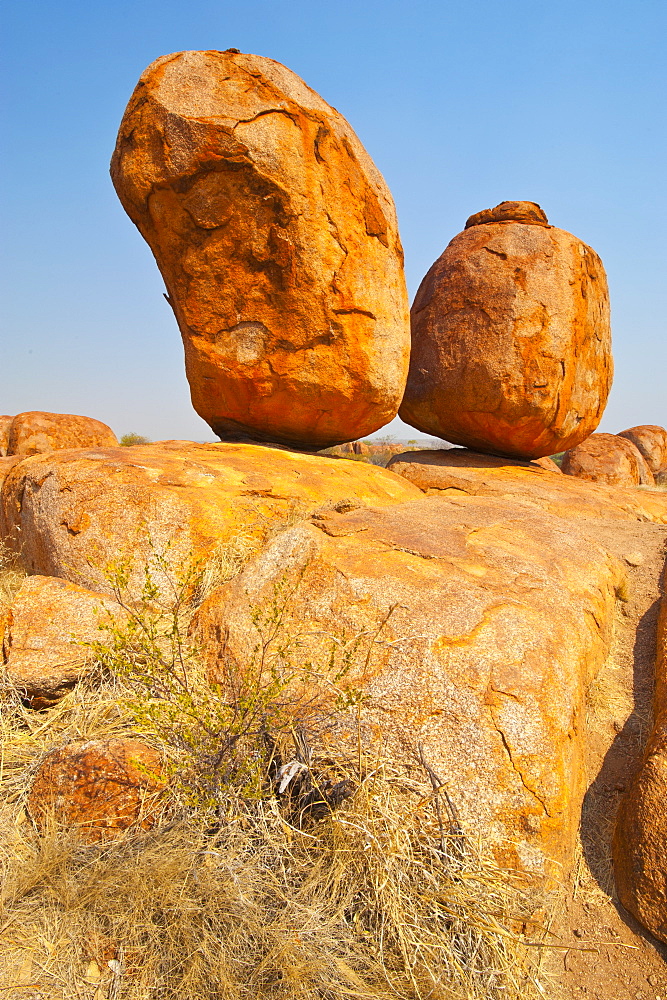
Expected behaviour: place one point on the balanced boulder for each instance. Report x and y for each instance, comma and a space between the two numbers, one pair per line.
651, 441
511, 346
36, 432
278, 243
608, 458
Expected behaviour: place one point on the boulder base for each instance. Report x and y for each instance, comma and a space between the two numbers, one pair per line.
277, 240
511, 347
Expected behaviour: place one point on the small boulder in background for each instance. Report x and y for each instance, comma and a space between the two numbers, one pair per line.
651, 441
36, 432
5, 424
608, 458
44, 642
511, 343
99, 787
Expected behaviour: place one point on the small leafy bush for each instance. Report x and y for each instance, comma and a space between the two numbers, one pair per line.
128, 440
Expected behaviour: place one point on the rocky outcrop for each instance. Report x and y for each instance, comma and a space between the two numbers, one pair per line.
277, 240
511, 348
5, 424
98, 788
608, 458
36, 432
496, 617
48, 627
651, 441
70, 513
457, 471
640, 835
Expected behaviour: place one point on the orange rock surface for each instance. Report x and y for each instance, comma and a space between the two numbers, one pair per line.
608, 458
36, 432
511, 349
277, 240
69, 513
43, 646
502, 614
640, 835
651, 441
457, 471
99, 788
5, 424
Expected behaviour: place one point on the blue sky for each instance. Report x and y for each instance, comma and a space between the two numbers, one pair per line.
461, 104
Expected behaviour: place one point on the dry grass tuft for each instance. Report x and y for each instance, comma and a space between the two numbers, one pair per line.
11, 577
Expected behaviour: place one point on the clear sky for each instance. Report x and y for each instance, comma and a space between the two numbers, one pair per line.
462, 104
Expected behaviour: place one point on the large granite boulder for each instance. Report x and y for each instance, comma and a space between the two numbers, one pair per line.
640, 835
651, 441
37, 432
47, 635
486, 620
608, 458
511, 348
70, 513
277, 240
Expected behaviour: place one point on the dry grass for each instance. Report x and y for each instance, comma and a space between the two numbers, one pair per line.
11, 578
367, 901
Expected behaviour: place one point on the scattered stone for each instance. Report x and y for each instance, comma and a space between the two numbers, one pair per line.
608, 458
69, 513
501, 615
36, 432
634, 558
43, 646
511, 344
548, 464
277, 239
640, 835
651, 441
99, 788
5, 424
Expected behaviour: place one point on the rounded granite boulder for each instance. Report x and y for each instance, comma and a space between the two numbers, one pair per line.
511, 344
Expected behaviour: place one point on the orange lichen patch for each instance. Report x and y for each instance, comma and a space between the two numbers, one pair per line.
278, 243
69, 513
99, 788
48, 627
651, 441
511, 350
610, 459
36, 432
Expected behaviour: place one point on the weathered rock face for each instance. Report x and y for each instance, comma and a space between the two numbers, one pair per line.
501, 616
640, 836
511, 349
651, 441
43, 646
70, 513
457, 471
100, 787
608, 458
7, 462
5, 424
36, 432
277, 240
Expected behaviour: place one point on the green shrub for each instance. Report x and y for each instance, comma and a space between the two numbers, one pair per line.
128, 440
